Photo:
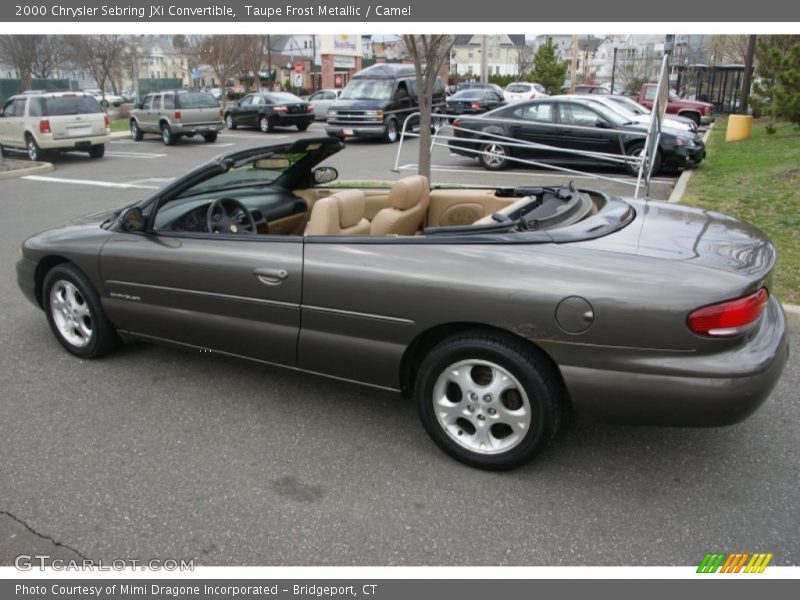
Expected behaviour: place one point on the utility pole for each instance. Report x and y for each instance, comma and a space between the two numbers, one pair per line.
574, 67
748, 69
484, 60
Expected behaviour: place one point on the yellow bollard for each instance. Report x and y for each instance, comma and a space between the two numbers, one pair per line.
738, 128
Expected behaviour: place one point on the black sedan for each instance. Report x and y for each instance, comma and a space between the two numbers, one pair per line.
269, 110
568, 131
473, 101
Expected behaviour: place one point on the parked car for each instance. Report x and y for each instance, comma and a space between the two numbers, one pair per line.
570, 123
105, 99
377, 101
495, 308
41, 122
523, 90
702, 113
177, 113
643, 111
473, 101
641, 117
586, 89
269, 110
322, 100
477, 85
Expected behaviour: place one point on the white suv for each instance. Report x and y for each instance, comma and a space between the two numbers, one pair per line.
37, 122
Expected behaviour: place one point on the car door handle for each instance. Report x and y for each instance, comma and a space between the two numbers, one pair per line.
271, 276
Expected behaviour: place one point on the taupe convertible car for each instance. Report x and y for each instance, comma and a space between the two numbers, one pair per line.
495, 308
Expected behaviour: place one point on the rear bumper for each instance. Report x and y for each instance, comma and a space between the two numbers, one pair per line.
284, 120
197, 128
697, 391
47, 142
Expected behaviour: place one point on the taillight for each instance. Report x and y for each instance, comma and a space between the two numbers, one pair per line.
107, 121
309, 108
533, 95
476, 105
280, 109
44, 126
177, 115
457, 123
730, 317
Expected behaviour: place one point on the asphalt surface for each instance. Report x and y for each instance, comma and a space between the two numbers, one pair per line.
158, 453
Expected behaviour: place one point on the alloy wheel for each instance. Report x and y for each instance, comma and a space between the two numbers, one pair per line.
71, 313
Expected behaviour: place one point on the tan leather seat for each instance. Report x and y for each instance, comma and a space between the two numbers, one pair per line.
408, 204
341, 213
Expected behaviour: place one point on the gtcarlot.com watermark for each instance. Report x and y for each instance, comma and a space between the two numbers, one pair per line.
29, 562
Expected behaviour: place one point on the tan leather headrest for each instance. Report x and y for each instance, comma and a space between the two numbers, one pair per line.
351, 207
407, 192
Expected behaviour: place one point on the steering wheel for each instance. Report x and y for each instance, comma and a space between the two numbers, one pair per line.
224, 216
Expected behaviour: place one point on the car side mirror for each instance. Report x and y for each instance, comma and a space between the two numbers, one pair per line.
133, 220
324, 175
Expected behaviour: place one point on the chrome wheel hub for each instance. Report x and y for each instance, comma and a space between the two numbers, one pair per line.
496, 154
481, 406
71, 313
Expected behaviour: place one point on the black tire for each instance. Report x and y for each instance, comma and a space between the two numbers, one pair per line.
265, 124
390, 132
103, 338
210, 137
136, 134
493, 156
634, 150
303, 126
167, 136
229, 121
97, 151
531, 370
35, 153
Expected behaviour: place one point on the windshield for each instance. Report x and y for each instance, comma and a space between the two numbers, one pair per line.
248, 175
197, 100
622, 109
71, 105
634, 106
368, 89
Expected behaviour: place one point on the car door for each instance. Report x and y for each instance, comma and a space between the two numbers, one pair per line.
237, 294
582, 128
8, 124
146, 116
534, 123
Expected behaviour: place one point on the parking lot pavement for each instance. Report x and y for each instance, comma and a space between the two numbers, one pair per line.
157, 453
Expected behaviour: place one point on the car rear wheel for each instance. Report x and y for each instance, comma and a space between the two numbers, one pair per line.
488, 400
34, 152
75, 314
229, 121
97, 151
265, 125
494, 157
210, 136
390, 133
635, 150
303, 126
167, 136
136, 133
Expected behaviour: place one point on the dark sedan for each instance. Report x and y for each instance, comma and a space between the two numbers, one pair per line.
563, 131
471, 102
269, 110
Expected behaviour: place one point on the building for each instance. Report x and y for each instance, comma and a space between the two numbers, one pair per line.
502, 53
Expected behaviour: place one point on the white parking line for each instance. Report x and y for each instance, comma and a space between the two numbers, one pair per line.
254, 135
109, 184
119, 154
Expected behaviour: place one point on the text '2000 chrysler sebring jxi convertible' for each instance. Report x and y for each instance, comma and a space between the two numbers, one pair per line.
495, 308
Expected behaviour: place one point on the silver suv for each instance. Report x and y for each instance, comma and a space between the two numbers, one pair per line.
176, 113
38, 122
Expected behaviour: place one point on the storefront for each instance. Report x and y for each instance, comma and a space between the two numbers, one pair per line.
340, 57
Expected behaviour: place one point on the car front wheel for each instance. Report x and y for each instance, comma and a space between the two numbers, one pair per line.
75, 314
390, 133
488, 401
635, 150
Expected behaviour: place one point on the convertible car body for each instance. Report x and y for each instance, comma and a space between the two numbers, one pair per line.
495, 308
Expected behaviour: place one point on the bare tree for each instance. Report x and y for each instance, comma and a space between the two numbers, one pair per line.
48, 56
101, 55
430, 53
223, 54
633, 72
727, 49
524, 59
254, 51
21, 51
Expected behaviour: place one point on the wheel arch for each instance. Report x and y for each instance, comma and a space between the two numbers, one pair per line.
44, 266
421, 345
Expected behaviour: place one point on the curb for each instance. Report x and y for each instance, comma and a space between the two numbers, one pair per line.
42, 167
792, 312
680, 185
